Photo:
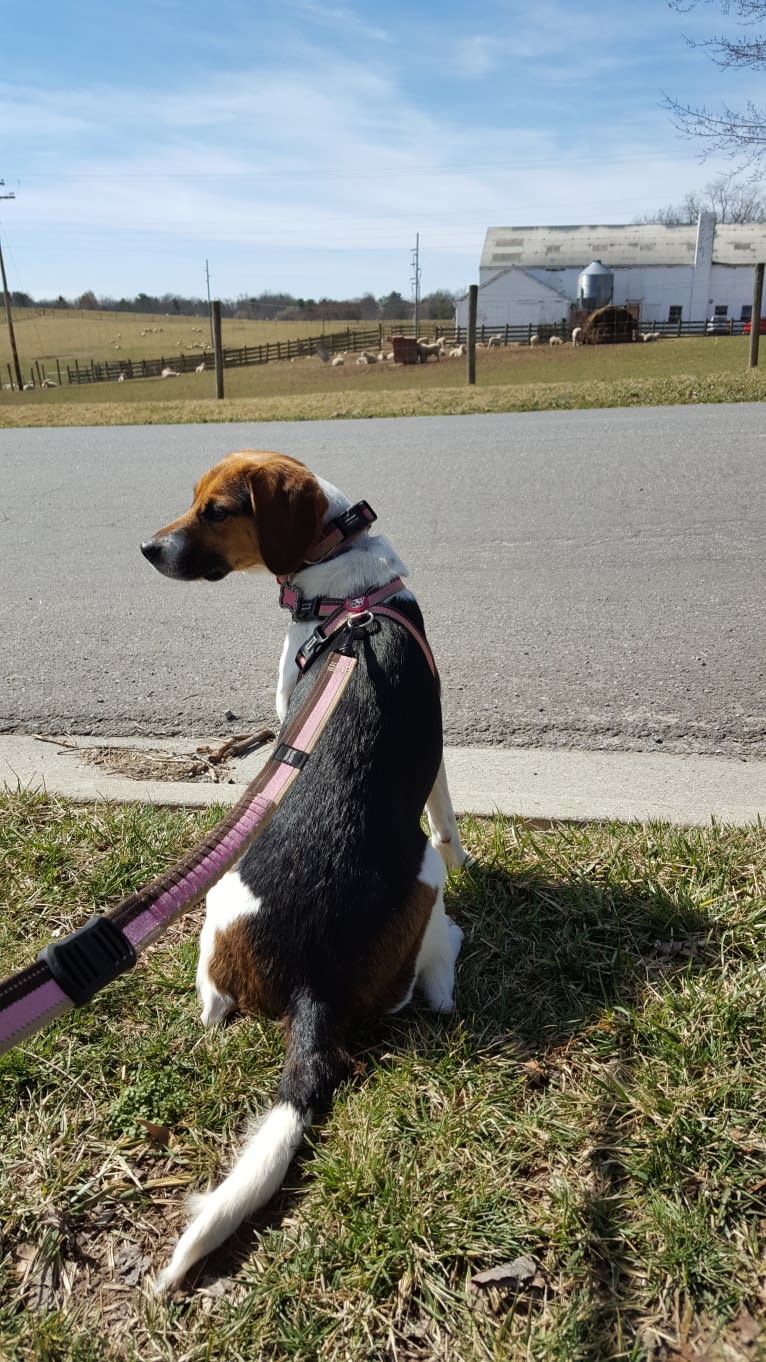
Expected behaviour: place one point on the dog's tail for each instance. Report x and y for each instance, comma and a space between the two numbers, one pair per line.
315, 1063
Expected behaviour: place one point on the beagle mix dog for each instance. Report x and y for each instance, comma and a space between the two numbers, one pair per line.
336, 911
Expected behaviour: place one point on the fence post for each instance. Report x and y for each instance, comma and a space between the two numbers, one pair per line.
470, 363
215, 315
755, 318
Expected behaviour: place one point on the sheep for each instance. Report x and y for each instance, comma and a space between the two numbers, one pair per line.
170, 373
200, 369
49, 383
554, 340
494, 342
337, 361
534, 340
368, 357
457, 352
426, 348
577, 336
121, 378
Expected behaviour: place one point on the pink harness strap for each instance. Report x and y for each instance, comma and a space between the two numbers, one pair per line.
338, 612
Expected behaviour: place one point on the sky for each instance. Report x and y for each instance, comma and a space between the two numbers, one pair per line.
302, 147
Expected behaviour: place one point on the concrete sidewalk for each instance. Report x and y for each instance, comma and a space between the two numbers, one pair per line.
538, 783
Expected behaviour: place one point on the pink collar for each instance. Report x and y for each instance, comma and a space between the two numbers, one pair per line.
338, 531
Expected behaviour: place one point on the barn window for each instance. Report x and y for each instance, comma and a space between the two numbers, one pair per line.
746, 313
675, 313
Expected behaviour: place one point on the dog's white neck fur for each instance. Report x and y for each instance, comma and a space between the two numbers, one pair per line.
369, 561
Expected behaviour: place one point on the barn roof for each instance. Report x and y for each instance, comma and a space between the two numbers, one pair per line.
619, 245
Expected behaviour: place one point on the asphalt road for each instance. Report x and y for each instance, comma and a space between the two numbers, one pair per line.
592, 579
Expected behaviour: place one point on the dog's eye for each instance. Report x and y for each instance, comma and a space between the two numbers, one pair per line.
215, 511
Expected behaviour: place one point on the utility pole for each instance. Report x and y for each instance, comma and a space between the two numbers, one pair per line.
9, 316
415, 280
209, 304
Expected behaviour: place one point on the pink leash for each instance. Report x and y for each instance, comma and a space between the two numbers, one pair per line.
69, 972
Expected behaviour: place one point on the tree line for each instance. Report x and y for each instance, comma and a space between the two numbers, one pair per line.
266, 306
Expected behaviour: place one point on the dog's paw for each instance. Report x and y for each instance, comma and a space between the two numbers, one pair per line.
456, 937
451, 850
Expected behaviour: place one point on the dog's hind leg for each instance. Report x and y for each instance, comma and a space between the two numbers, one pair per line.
443, 823
440, 947
227, 900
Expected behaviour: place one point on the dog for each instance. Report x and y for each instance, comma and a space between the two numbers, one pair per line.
336, 911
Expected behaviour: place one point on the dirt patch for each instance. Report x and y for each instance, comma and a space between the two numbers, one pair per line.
204, 764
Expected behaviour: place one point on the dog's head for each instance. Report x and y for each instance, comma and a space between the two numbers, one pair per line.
251, 510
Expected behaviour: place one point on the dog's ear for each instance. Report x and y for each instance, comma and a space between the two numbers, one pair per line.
289, 506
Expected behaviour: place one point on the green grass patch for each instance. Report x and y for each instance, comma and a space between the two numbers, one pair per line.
598, 1102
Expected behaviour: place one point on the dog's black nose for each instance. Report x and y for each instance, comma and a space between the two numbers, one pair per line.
151, 550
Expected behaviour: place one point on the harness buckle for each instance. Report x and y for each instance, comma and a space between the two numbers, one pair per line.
302, 607
310, 650
86, 960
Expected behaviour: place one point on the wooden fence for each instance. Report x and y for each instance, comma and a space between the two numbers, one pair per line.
235, 357
350, 340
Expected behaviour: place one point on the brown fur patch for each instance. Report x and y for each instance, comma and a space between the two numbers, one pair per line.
388, 974
275, 506
234, 968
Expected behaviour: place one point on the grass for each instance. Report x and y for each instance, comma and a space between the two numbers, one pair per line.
598, 1102
69, 334
703, 369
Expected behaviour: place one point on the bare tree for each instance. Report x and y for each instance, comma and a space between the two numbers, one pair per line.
730, 198
735, 132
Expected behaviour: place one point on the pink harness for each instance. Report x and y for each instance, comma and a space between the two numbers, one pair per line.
337, 613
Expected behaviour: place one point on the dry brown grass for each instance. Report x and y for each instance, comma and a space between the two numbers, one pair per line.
84, 335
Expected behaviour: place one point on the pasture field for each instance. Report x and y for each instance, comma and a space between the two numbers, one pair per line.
597, 1104
70, 334
677, 370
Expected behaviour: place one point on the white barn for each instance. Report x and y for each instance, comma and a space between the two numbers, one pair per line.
529, 275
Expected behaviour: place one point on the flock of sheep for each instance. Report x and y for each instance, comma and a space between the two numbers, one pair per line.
444, 349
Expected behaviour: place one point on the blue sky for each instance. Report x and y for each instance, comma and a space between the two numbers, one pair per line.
300, 145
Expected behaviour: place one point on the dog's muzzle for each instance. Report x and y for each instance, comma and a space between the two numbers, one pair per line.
174, 557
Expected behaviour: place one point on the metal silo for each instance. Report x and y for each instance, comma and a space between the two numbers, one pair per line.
595, 286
